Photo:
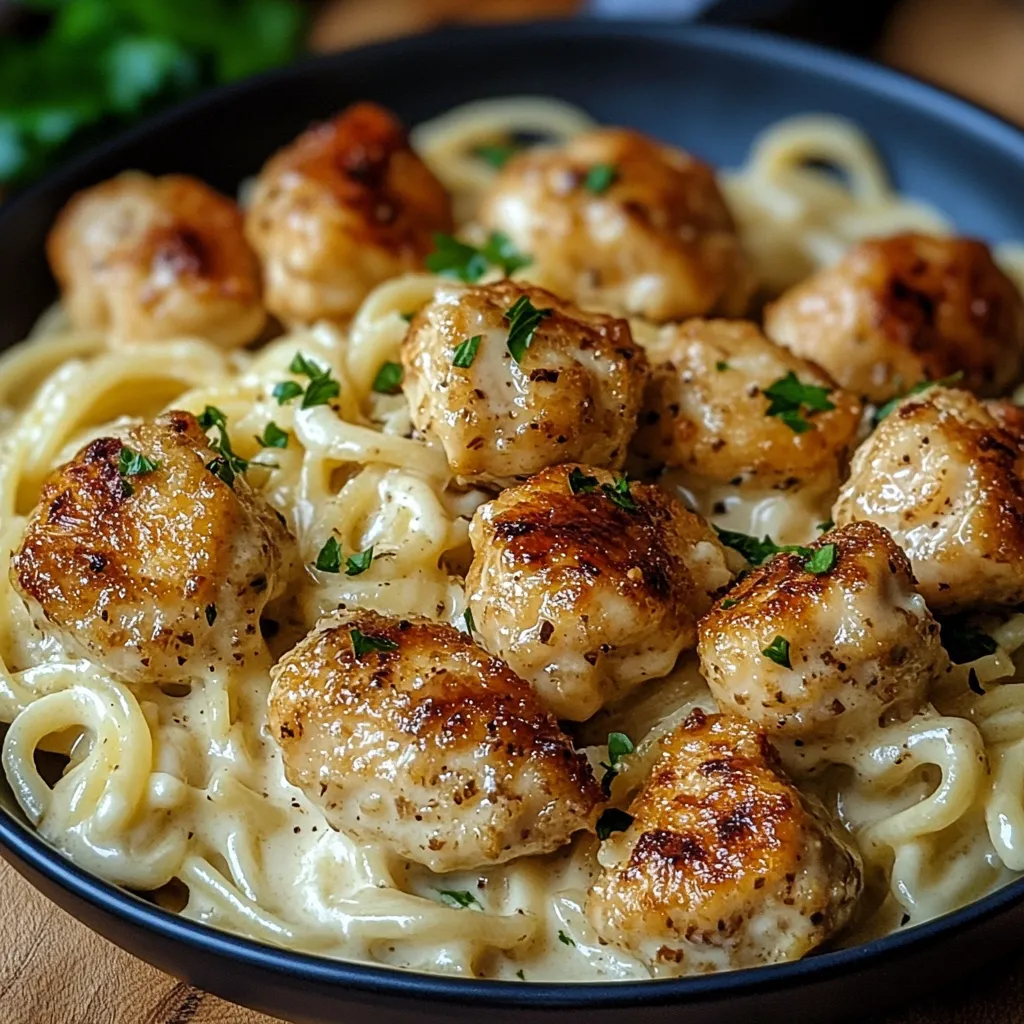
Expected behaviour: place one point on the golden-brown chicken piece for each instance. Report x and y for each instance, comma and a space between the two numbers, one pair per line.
147, 560
726, 863
146, 258
617, 221
407, 733
944, 475
895, 311
707, 405
588, 586
820, 647
571, 394
345, 206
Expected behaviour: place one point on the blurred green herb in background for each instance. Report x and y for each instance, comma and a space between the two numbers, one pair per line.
98, 64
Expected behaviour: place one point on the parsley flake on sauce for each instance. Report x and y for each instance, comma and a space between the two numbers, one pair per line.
363, 644
793, 402
778, 651
465, 352
523, 319
619, 746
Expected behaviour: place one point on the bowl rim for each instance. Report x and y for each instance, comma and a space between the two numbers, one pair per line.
30, 851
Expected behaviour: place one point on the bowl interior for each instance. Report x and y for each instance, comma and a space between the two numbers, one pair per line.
707, 90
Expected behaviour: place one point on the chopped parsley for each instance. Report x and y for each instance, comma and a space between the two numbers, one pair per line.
827, 525
619, 494
407, 317
613, 820
922, 385
321, 389
452, 258
363, 644
721, 366
496, 154
273, 437
728, 602
821, 560
465, 352
329, 558
963, 641
520, 975
227, 465
286, 390
460, 898
359, 563
619, 746
563, 938
580, 483
211, 614
467, 618
523, 320
792, 402
389, 379
133, 463
757, 551
778, 651
600, 178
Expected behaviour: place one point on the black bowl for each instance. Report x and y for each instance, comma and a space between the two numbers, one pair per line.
709, 90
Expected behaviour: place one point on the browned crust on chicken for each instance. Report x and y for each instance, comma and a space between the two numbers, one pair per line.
658, 242
705, 410
345, 206
726, 863
912, 307
152, 258
472, 769
573, 396
128, 567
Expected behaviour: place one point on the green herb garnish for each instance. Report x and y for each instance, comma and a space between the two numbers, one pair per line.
523, 320
599, 178
497, 154
613, 820
133, 463
721, 365
460, 898
580, 483
273, 437
465, 352
227, 465
363, 644
521, 975
359, 563
757, 551
619, 746
467, 618
389, 379
792, 401
619, 493
825, 526
329, 558
452, 258
563, 938
286, 390
821, 560
778, 651
922, 385
727, 603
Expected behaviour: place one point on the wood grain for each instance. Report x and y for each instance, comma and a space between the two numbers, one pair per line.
53, 970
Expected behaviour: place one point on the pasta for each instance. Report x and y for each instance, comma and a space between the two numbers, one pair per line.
182, 794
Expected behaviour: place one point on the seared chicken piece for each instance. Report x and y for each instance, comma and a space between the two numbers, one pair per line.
944, 475
895, 311
571, 396
616, 221
726, 864
146, 258
588, 589
406, 733
158, 569
347, 205
707, 411
822, 647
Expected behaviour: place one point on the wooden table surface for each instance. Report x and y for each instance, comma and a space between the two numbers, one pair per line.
53, 970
